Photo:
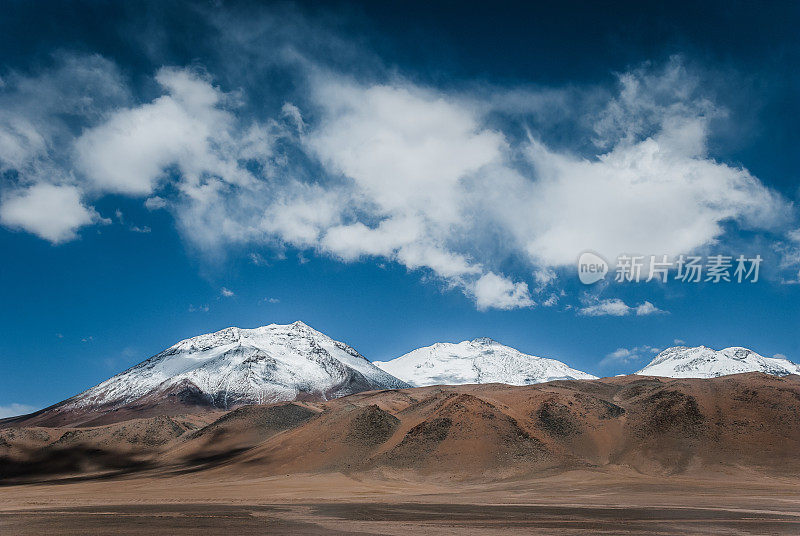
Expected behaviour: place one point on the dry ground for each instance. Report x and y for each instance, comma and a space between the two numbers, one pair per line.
578, 502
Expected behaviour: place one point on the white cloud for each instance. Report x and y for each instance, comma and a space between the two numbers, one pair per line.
38, 117
650, 197
130, 151
36, 110
155, 203
293, 113
19, 142
617, 307
390, 169
14, 409
52, 212
405, 147
405, 152
620, 355
647, 308
423, 165
551, 300
623, 356
544, 276
609, 307
227, 293
493, 291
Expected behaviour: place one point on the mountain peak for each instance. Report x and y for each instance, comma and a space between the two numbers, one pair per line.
705, 362
235, 366
481, 360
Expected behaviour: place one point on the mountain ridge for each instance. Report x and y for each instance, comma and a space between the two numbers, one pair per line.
294, 362
480, 360
656, 426
705, 362
233, 367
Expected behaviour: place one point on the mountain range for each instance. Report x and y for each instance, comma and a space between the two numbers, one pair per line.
285, 363
740, 425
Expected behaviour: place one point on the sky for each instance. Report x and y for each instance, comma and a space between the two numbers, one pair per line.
394, 174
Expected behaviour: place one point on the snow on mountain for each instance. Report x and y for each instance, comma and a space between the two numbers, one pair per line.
235, 366
702, 362
477, 361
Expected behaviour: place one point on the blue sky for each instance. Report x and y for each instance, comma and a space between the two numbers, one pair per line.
393, 174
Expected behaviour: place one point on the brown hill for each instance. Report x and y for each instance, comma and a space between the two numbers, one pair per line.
655, 426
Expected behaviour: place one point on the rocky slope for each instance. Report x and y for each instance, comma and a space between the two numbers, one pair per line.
658, 426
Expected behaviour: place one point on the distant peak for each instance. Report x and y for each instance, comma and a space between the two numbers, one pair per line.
484, 340
302, 327
705, 362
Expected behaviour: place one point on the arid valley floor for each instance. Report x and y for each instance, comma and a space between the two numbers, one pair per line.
578, 502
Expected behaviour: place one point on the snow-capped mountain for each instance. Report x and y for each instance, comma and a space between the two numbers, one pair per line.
236, 366
477, 361
703, 362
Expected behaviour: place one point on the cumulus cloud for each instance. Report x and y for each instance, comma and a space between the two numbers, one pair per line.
406, 147
492, 291
651, 187
609, 307
617, 307
40, 117
405, 152
51, 212
133, 148
226, 292
381, 167
647, 197
647, 308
